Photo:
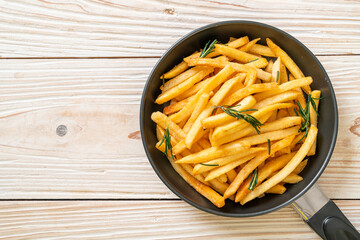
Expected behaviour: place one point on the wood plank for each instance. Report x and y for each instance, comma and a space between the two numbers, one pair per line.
101, 156
148, 220
78, 28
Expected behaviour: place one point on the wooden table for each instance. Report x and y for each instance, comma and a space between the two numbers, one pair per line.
83, 65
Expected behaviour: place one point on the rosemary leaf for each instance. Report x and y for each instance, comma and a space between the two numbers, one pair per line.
254, 180
277, 76
269, 147
210, 165
167, 141
163, 80
209, 47
253, 60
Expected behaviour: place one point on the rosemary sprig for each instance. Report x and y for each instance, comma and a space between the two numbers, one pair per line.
269, 147
209, 47
253, 60
163, 80
277, 76
254, 179
305, 114
210, 165
167, 141
240, 115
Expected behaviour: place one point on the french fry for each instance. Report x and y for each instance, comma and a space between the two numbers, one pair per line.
297, 139
204, 143
283, 74
313, 117
285, 87
180, 147
218, 62
246, 91
300, 167
276, 71
215, 152
231, 130
238, 67
163, 121
196, 127
241, 56
264, 172
238, 42
249, 45
292, 179
288, 62
231, 175
282, 123
240, 156
273, 116
182, 87
181, 67
252, 164
211, 85
251, 77
269, 67
261, 50
222, 178
181, 78
258, 63
223, 118
274, 135
282, 113
282, 97
200, 105
173, 108
277, 189
294, 162
182, 123
300, 97
193, 90
225, 168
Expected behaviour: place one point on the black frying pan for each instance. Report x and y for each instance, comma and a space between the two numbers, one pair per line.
319, 212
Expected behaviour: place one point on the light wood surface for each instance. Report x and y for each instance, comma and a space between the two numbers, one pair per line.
83, 64
148, 220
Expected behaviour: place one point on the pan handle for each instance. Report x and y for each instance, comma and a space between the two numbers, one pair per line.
324, 217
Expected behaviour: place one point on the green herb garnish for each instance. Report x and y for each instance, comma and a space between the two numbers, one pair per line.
254, 180
277, 76
209, 47
210, 165
163, 80
167, 141
269, 147
305, 114
253, 60
240, 115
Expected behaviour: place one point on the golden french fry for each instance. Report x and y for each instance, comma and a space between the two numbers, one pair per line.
276, 71
211, 85
292, 178
273, 116
288, 62
218, 62
223, 118
200, 105
255, 162
251, 77
238, 67
222, 178
282, 97
231, 175
281, 123
264, 172
274, 135
238, 42
283, 74
173, 108
313, 116
285, 87
181, 78
246, 91
258, 63
182, 87
249, 45
234, 53
193, 90
215, 152
225, 168
204, 143
261, 50
297, 139
277, 189
294, 162
231, 131
269, 67
181, 67
300, 167
282, 113
163, 121
241, 156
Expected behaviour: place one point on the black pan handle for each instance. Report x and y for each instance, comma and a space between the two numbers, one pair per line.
324, 217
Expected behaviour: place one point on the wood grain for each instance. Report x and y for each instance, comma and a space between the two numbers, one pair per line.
101, 156
148, 220
98, 28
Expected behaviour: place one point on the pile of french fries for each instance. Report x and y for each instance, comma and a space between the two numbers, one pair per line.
237, 125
